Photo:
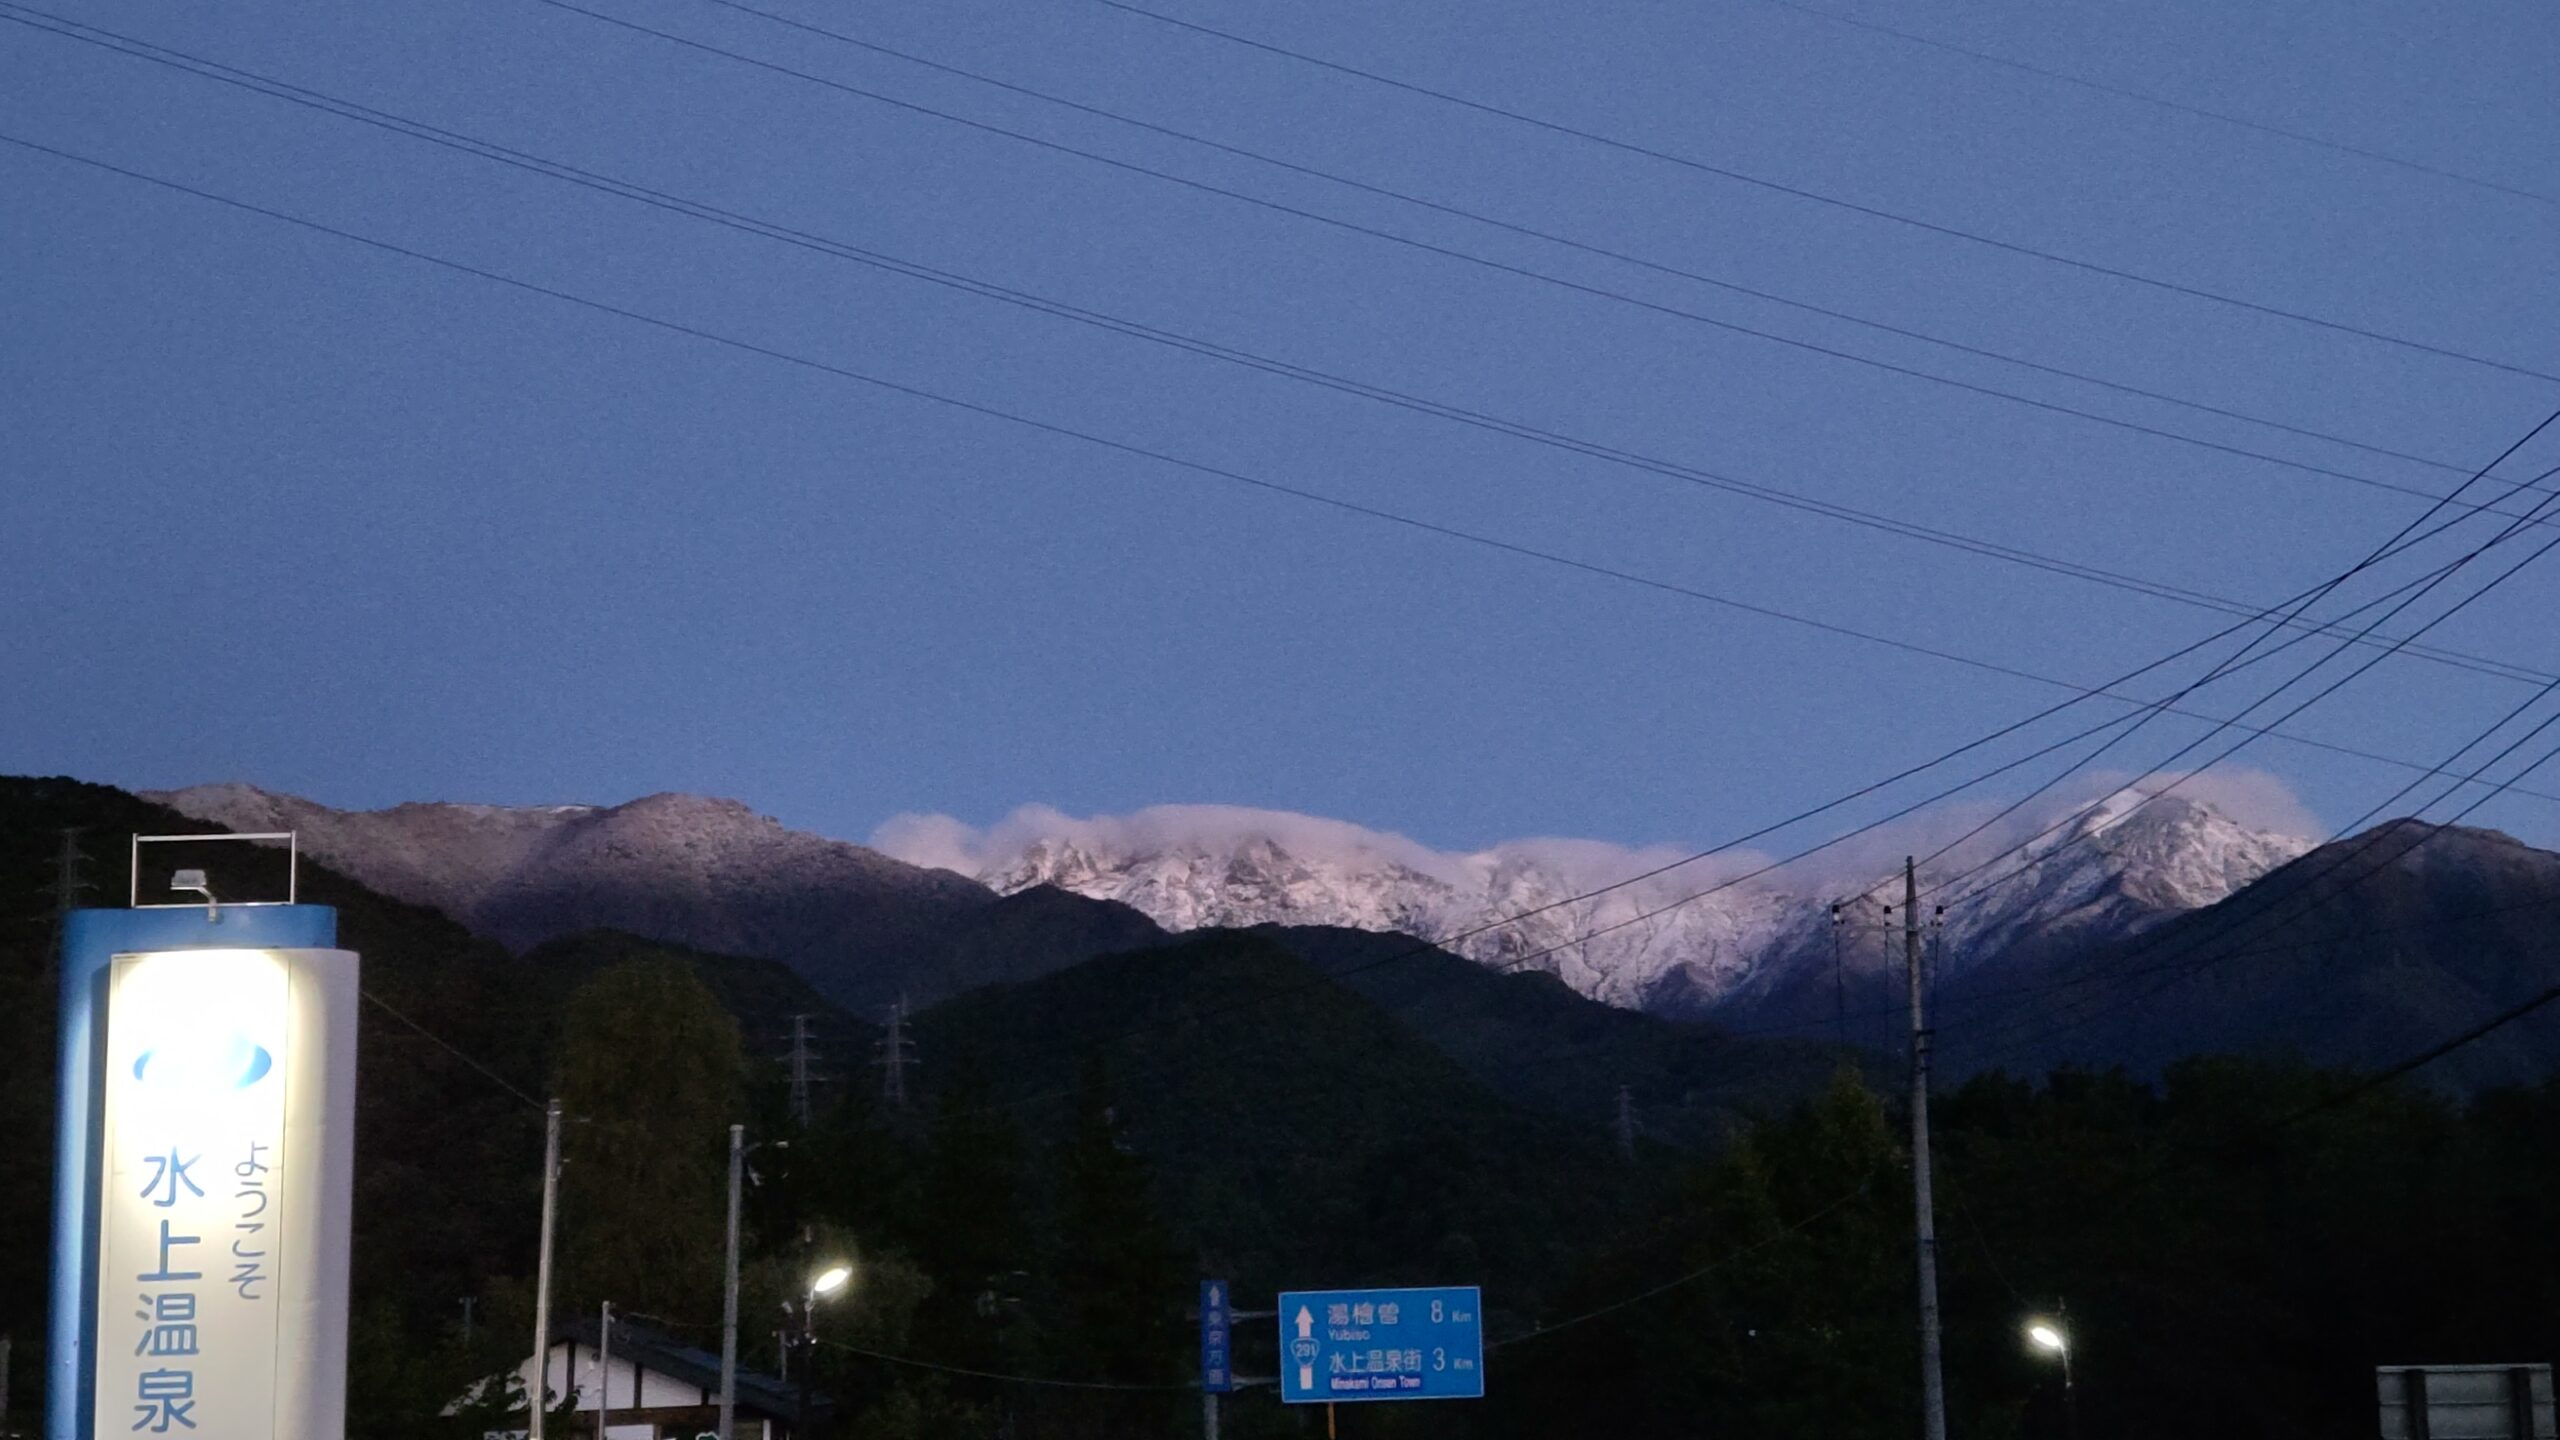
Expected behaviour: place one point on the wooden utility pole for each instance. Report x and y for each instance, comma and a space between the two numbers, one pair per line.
1933, 1392
729, 1293
539, 1395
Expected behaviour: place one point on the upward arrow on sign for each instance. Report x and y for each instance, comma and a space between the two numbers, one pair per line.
1306, 1323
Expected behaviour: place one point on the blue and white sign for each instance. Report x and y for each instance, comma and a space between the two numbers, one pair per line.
222, 1202
1342, 1346
1217, 1328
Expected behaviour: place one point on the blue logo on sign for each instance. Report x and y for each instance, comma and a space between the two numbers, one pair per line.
229, 1062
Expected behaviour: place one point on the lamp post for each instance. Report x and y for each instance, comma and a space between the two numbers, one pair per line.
2050, 1338
824, 1282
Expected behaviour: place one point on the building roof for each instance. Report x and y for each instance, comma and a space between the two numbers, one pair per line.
654, 1350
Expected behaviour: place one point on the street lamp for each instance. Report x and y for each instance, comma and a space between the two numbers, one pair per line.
2049, 1337
826, 1281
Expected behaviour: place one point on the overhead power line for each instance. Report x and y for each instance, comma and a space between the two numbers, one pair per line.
2405, 538
1800, 192
2081, 693
501, 1081
2014, 1027
1042, 1381
1406, 197
2509, 532
2352, 1093
2181, 967
497, 153
2146, 98
1583, 937
1313, 497
1797, 1226
1496, 266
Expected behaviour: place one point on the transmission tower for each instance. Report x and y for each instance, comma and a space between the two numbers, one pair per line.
897, 1052
800, 1069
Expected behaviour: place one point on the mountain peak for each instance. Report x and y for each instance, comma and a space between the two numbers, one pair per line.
693, 870
2128, 861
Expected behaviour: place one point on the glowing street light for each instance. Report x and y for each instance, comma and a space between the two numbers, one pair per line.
2049, 1337
825, 1282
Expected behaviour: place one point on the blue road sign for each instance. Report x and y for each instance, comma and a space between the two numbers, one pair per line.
1217, 1322
1341, 1346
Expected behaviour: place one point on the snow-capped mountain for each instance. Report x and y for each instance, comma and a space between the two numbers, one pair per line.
1685, 940
1690, 939
711, 874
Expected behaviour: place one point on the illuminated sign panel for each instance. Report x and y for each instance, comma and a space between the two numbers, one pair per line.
221, 1282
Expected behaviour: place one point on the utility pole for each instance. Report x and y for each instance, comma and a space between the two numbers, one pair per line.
1626, 1126
729, 1293
2070, 1397
807, 1339
604, 1369
67, 883
1839, 980
1933, 1394
800, 1070
897, 1052
542, 1269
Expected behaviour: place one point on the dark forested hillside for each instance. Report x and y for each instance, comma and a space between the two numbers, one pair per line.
2237, 1242
2341, 958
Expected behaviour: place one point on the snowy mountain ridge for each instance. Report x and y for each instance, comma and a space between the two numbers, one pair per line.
1687, 938
692, 869
1651, 929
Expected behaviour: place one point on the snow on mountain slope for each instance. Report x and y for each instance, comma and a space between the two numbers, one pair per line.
1677, 941
1692, 940
703, 872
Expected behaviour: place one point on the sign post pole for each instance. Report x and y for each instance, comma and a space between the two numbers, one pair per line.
1217, 1370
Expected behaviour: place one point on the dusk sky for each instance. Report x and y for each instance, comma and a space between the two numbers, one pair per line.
281, 507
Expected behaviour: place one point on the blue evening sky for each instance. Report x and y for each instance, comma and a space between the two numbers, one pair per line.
278, 507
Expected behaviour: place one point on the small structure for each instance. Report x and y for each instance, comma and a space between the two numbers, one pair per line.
2466, 1402
653, 1388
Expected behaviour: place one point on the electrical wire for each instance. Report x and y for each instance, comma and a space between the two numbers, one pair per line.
1798, 1226
898, 388
2252, 1144
2013, 1028
501, 1081
2144, 97
1469, 258
2399, 543
1553, 238
2027, 866
1800, 192
2301, 897
1707, 479
2375, 557
1043, 1381
1265, 485
1328, 978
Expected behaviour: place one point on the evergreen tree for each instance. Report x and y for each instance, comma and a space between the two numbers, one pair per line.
1120, 1281
649, 1069
972, 1237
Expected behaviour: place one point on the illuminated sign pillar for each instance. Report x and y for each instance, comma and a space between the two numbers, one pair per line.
204, 1175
